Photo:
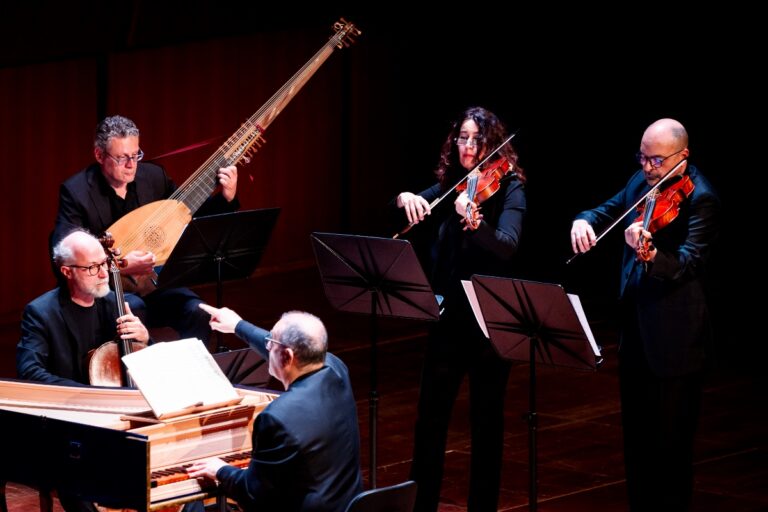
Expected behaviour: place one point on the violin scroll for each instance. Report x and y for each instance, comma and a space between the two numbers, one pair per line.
644, 249
472, 217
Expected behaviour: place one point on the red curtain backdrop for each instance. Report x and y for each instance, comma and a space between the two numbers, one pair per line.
185, 94
47, 116
313, 165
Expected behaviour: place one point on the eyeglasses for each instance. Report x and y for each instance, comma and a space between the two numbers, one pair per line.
655, 161
270, 341
463, 140
122, 160
92, 269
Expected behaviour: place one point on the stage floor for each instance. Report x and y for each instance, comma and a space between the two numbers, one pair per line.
579, 438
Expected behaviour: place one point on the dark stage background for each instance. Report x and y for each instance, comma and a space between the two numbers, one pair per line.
371, 121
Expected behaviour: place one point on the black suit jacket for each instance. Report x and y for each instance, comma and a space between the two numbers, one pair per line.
83, 204
306, 444
668, 296
48, 351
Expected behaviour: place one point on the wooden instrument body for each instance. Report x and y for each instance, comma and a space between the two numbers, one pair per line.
104, 363
105, 366
155, 227
124, 455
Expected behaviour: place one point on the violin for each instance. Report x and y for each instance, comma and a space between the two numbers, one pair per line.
462, 183
675, 172
105, 366
481, 185
659, 210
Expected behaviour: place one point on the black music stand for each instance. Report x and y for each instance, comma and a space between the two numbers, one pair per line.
219, 248
537, 323
244, 367
378, 277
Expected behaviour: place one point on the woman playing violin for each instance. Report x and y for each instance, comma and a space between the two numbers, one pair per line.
665, 333
456, 346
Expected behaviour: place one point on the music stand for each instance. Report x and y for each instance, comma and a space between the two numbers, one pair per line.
378, 277
244, 367
537, 323
219, 248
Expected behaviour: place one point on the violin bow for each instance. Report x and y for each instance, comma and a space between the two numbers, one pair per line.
604, 232
475, 168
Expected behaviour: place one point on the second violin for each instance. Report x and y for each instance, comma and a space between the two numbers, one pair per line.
480, 185
468, 152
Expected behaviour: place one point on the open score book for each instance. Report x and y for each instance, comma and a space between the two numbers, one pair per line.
180, 377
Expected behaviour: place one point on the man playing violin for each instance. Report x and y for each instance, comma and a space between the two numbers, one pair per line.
666, 336
457, 346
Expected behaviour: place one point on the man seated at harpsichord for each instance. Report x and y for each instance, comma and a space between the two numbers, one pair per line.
306, 443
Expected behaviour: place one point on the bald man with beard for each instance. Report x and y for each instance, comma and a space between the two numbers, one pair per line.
60, 327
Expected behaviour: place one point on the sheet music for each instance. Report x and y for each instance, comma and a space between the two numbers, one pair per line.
576, 303
179, 377
470, 291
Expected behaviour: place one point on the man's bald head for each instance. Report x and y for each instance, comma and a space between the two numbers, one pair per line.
668, 132
81, 259
305, 334
72, 246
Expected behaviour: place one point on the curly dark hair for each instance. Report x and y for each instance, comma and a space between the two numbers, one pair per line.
492, 133
113, 127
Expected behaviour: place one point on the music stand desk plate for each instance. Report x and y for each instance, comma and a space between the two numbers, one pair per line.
219, 248
519, 312
360, 273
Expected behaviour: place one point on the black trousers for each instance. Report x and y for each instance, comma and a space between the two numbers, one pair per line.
659, 417
456, 348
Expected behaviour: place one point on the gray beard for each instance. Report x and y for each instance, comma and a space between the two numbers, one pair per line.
100, 291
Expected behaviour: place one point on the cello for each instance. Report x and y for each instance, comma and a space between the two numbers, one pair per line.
105, 366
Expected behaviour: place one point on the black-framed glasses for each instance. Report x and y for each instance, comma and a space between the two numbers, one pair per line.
270, 341
655, 160
122, 160
92, 269
463, 140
